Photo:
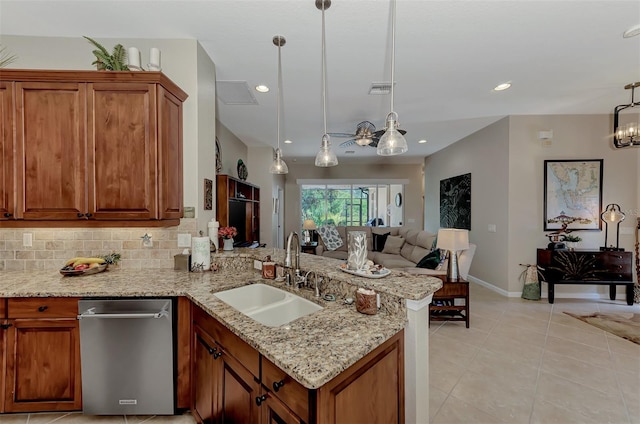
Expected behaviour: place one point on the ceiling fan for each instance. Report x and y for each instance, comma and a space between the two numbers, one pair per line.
365, 135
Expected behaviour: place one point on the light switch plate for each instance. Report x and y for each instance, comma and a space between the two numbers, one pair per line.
257, 264
27, 239
492, 228
184, 240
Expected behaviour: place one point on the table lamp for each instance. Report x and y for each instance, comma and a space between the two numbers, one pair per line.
452, 240
309, 226
612, 215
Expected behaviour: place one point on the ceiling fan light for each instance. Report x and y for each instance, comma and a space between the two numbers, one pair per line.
392, 141
363, 141
278, 166
326, 157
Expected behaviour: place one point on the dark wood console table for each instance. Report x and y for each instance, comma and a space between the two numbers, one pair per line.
587, 267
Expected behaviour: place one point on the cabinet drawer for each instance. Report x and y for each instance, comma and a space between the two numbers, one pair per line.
290, 392
42, 307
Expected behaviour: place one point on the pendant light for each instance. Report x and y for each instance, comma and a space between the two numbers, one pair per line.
325, 157
392, 141
279, 166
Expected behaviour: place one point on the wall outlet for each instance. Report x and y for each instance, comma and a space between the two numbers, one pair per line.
27, 239
184, 240
257, 265
492, 228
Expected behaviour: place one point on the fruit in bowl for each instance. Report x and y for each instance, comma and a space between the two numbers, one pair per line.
80, 265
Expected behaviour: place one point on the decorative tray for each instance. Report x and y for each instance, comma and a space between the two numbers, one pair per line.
378, 273
88, 271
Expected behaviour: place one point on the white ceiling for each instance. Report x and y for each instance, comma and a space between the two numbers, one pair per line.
563, 57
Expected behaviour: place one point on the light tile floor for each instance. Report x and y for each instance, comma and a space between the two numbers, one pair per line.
527, 362
79, 418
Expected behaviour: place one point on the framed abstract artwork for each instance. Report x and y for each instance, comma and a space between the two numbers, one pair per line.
208, 194
455, 202
573, 194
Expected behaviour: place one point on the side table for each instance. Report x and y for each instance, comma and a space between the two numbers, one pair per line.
443, 307
309, 248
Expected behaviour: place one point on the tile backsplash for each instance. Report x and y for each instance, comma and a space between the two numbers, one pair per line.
51, 247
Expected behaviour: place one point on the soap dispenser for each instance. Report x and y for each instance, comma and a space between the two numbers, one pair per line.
268, 268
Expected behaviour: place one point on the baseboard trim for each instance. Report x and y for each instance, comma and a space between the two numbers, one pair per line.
558, 295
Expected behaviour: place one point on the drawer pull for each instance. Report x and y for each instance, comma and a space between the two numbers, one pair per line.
5, 326
260, 399
42, 308
216, 355
7, 215
277, 385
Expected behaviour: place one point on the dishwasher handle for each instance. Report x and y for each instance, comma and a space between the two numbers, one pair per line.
90, 313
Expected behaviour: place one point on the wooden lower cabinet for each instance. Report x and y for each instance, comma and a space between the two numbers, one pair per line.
229, 388
42, 355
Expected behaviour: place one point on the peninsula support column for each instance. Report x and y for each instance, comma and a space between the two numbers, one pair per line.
416, 361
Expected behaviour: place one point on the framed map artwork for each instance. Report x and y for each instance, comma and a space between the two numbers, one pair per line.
572, 194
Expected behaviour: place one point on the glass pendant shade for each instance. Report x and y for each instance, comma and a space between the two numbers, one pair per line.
326, 157
392, 141
278, 166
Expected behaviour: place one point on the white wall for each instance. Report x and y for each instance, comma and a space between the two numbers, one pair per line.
232, 149
484, 154
413, 194
574, 137
506, 162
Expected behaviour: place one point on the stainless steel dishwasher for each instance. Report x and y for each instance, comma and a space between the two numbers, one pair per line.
126, 348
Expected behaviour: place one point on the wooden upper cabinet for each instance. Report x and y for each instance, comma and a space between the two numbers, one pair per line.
50, 151
91, 149
122, 150
7, 198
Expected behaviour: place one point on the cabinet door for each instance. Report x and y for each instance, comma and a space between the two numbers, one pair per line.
7, 190
275, 412
239, 391
204, 375
122, 151
43, 365
51, 145
170, 155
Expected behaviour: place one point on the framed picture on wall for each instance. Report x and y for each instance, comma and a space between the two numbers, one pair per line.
572, 194
455, 202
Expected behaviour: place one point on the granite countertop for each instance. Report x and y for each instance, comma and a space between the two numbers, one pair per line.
313, 349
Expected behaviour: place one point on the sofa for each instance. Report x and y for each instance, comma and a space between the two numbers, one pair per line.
417, 244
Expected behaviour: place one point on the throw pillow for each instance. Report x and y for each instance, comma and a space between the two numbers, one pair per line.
431, 260
393, 245
379, 241
330, 237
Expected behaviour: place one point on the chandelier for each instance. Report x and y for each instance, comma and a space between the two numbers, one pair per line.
626, 135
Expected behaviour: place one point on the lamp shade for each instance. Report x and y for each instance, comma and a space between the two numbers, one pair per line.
308, 224
453, 239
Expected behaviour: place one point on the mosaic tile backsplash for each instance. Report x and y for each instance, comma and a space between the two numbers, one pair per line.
53, 246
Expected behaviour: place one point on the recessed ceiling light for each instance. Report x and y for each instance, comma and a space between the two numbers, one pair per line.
288, 142
422, 141
502, 86
632, 32
262, 88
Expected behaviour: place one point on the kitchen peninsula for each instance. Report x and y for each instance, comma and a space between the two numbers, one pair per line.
313, 350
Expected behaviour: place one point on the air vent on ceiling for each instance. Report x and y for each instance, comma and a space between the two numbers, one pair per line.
378, 88
235, 93
350, 152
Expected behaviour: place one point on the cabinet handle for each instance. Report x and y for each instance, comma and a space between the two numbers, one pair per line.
260, 399
277, 385
217, 355
80, 215
88, 215
42, 308
7, 215
206, 346
5, 326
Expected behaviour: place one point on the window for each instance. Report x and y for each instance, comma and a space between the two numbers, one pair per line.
352, 204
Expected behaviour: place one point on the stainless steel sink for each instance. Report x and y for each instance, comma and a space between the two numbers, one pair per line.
268, 305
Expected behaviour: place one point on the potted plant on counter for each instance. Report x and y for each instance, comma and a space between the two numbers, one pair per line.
227, 234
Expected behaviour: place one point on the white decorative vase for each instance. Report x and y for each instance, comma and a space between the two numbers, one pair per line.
228, 244
357, 245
